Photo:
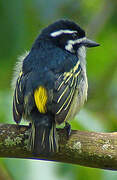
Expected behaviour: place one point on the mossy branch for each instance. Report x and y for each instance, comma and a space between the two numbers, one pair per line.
98, 150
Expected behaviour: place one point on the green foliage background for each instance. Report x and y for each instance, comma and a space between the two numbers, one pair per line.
20, 23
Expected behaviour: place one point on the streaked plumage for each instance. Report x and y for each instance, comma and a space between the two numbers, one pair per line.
52, 84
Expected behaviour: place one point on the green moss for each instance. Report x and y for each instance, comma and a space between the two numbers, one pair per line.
18, 140
9, 142
12, 142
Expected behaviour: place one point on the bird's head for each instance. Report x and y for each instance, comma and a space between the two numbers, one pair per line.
67, 35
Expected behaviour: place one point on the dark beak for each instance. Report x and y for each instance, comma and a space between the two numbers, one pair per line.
89, 43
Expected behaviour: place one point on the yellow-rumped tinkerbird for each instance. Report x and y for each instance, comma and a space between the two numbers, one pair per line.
51, 83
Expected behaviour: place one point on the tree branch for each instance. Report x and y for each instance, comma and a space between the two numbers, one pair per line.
90, 149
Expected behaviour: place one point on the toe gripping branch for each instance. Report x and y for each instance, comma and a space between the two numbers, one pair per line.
68, 129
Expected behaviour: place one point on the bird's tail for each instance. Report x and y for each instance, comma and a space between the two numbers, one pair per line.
44, 138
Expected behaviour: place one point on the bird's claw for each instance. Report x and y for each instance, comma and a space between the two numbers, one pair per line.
68, 129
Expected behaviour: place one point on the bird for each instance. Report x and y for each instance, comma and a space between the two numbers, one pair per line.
50, 83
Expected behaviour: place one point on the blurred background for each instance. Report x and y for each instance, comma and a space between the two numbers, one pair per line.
20, 23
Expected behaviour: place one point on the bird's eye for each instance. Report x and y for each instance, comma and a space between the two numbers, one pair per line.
74, 35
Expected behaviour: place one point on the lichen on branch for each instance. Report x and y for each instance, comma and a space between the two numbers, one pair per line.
98, 150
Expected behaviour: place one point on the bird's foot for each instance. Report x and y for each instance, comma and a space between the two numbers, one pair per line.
68, 129
30, 125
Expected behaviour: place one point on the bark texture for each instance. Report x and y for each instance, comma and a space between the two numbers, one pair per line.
98, 150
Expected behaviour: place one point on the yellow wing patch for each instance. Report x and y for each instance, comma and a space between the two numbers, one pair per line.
40, 96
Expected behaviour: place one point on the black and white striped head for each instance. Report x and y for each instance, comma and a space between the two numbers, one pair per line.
67, 35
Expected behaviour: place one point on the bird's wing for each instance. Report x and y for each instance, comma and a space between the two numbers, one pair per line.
18, 98
65, 86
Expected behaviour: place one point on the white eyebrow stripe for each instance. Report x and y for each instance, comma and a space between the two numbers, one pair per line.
76, 41
70, 43
66, 31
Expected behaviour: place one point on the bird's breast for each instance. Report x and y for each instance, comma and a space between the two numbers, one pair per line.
71, 92
80, 94
79, 98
